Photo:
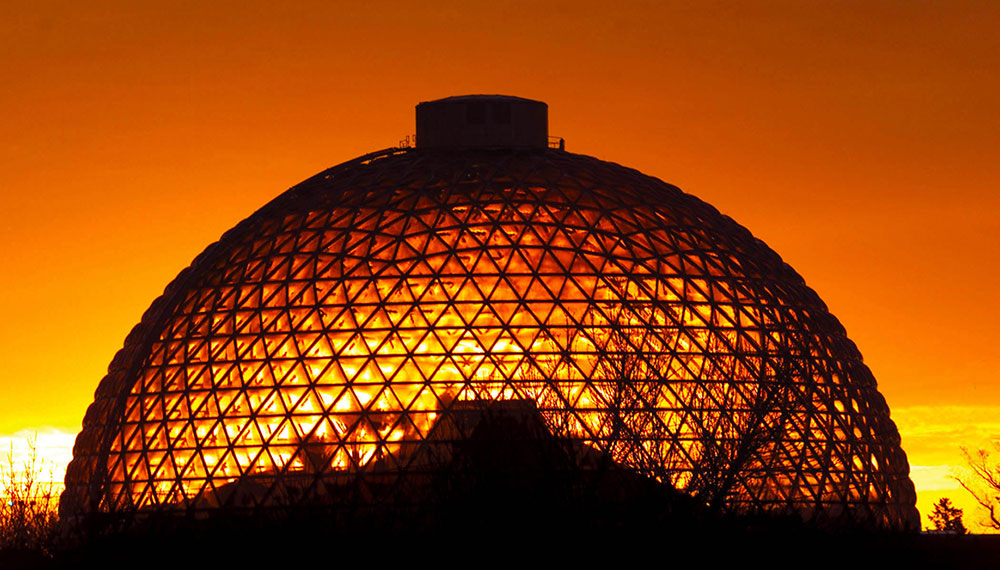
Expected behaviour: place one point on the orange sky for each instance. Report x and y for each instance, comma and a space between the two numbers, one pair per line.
858, 139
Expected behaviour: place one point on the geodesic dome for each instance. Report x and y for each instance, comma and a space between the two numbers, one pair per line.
343, 331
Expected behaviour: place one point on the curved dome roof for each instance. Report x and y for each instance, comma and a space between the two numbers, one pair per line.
331, 335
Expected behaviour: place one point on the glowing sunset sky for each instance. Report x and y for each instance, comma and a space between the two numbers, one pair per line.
860, 140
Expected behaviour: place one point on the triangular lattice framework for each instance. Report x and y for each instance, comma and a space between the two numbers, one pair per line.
324, 337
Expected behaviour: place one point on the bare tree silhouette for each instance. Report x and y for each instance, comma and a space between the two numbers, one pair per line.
706, 419
983, 483
740, 414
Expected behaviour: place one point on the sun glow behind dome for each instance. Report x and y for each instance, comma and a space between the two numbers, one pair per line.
326, 338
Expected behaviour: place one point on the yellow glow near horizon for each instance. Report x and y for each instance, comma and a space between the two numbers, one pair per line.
930, 438
53, 450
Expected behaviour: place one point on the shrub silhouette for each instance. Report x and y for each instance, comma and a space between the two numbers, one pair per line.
28, 506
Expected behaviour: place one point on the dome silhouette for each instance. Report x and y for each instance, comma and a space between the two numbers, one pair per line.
357, 328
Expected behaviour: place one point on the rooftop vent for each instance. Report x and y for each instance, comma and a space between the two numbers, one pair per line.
484, 121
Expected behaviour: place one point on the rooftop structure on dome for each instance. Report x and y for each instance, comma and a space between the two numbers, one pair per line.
485, 121
341, 342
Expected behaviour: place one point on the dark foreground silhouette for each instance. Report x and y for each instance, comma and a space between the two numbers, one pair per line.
505, 493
